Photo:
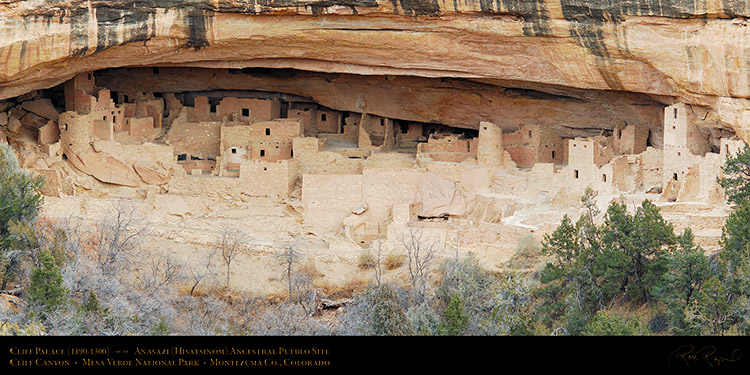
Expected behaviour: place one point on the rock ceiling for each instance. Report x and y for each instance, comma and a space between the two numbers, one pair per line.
579, 64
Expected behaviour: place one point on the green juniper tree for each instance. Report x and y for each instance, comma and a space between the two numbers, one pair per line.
711, 312
735, 237
593, 266
19, 203
633, 259
721, 304
570, 292
688, 268
734, 262
732, 307
456, 320
46, 290
607, 323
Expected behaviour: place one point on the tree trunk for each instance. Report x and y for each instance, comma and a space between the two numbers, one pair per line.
289, 278
228, 275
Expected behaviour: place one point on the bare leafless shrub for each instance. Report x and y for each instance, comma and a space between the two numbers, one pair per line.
374, 260
204, 316
203, 271
301, 287
287, 258
421, 250
158, 271
306, 295
106, 260
289, 320
115, 239
231, 244
246, 308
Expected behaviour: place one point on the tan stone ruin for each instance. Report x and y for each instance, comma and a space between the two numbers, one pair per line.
362, 176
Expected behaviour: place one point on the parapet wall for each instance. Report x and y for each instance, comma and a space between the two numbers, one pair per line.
256, 179
268, 179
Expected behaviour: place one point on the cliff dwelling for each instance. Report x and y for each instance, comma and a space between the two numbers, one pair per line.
356, 163
352, 131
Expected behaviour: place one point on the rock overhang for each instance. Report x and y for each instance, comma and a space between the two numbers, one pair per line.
637, 52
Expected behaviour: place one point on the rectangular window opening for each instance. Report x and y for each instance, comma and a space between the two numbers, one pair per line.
245, 112
575, 172
262, 153
268, 131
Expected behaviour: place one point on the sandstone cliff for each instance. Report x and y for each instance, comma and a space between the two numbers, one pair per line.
605, 54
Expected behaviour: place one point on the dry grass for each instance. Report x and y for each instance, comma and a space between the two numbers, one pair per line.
366, 260
394, 261
347, 290
204, 290
277, 298
311, 270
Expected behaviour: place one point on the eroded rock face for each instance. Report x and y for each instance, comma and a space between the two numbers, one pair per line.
672, 50
106, 168
152, 173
